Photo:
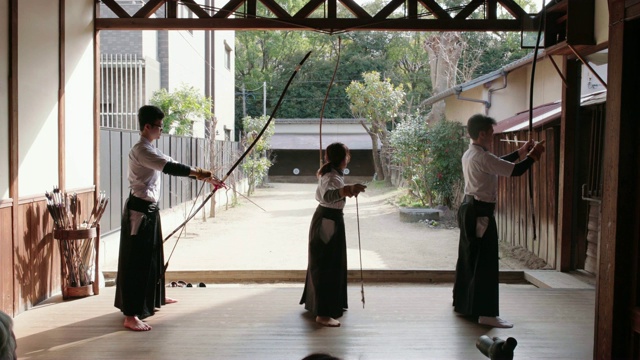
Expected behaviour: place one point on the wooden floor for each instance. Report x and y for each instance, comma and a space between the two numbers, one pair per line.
402, 321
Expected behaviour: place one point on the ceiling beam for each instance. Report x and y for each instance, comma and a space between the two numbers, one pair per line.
319, 24
392, 17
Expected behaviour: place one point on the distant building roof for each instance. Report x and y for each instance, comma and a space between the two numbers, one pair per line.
481, 79
312, 141
307, 137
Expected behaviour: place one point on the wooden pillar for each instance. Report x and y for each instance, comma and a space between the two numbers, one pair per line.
62, 159
96, 104
14, 158
616, 296
567, 189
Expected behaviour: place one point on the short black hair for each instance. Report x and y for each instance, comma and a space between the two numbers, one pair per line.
149, 114
478, 123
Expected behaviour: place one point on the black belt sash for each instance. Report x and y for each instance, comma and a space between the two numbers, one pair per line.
482, 208
141, 205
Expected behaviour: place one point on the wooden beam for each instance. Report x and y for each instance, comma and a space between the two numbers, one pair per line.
309, 8
149, 8
331, 9
196, 9
116, 8
356, 9
276, 9
435, 9
469, 9
297, 23
491, 9
227, 10
172, 10
388, 9
412, 9
61, 97
513, 8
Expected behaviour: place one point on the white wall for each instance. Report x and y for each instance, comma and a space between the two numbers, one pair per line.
37, 96
79, 94
186, 65
4, 101
150, 44
225, 84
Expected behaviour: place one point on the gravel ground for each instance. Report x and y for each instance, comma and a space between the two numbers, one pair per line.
245, 237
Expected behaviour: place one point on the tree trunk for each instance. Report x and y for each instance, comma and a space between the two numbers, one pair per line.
377, 164
444, 50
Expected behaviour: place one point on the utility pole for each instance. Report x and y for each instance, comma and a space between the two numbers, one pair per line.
264, 98
244, 101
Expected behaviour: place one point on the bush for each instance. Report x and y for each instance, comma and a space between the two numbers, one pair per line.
256, 165
446, 144
430, 159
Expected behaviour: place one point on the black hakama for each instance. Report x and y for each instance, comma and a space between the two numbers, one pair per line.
475, 292
140, 280
325, 289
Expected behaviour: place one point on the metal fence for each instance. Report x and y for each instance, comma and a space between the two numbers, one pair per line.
114, 164
122, 90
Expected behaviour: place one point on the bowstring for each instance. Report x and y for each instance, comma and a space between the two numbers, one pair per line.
360, 251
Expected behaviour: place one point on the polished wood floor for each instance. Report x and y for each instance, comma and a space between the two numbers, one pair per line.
401, 321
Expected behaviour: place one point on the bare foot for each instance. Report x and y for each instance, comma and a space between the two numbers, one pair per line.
327, 321
168, 300
135, 324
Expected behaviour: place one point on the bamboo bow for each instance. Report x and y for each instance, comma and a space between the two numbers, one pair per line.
533, 74
235, 165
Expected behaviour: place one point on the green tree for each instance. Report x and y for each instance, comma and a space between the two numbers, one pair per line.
377, 103
182, 108
256, 164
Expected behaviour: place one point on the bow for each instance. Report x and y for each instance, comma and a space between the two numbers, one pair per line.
335, 70
235, 165
533, 74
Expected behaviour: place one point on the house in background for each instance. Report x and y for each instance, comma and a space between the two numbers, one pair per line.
564, 229
295, 149
136, 63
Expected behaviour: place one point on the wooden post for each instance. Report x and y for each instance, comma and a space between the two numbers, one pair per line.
567, 190
617, 292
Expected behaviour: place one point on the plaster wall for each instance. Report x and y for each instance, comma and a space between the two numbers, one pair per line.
460, 110
79, 95
513, 98
4, 102
601, 21
37, 96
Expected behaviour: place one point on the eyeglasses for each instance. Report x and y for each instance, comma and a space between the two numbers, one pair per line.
158, 126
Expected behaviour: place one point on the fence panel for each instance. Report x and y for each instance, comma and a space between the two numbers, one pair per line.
115, 145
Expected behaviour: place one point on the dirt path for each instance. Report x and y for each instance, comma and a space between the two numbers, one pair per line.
245, 237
